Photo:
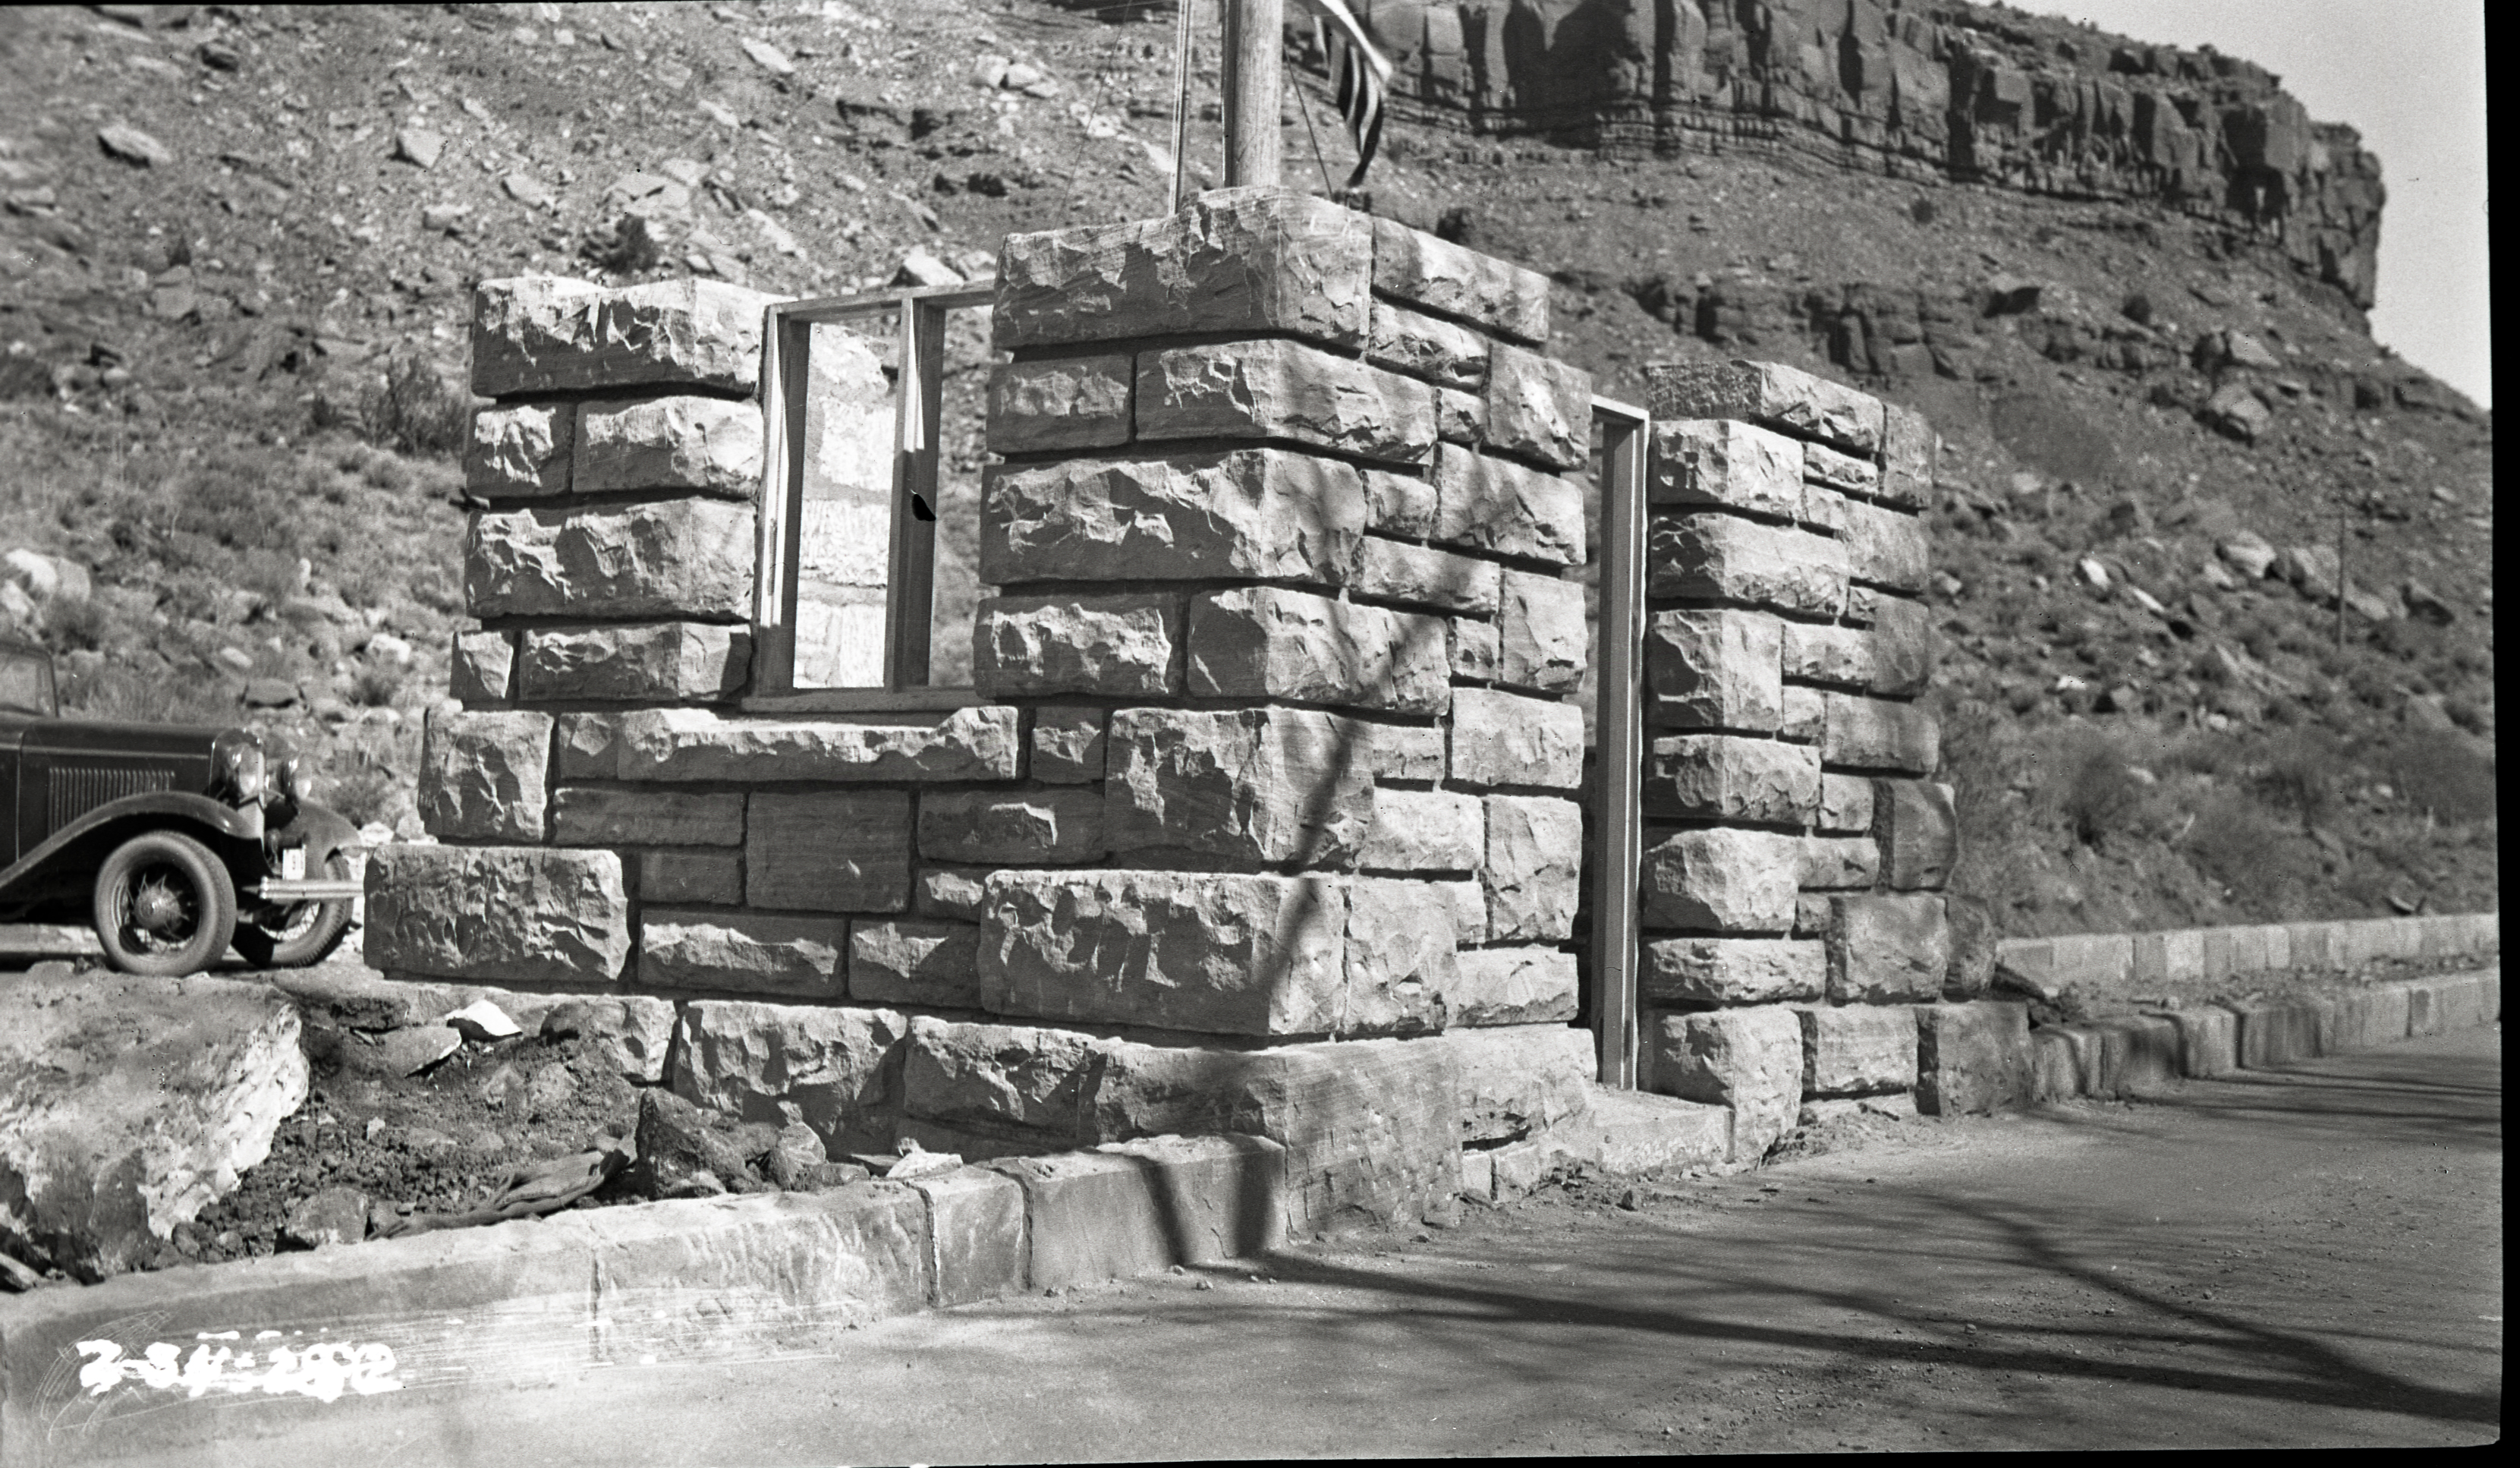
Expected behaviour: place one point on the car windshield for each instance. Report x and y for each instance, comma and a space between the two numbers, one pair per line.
26, 685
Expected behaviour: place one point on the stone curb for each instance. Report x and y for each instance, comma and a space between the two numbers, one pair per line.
2204, 955
720, 1279
2133, 1054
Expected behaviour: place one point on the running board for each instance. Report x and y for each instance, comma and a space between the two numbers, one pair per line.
305, 889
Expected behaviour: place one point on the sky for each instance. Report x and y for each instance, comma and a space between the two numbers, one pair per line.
2410, 74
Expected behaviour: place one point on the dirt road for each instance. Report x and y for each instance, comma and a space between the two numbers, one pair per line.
2299, 1259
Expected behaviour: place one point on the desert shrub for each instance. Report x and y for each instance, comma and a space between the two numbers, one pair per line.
71, 626
2051, 434
416, 410
2092, 789
2443, 776
364, 795
376, 688
2265, 866
2302, 774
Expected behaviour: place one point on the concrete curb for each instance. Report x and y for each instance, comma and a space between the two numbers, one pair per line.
153, 1354
2205, 955
2134, 1054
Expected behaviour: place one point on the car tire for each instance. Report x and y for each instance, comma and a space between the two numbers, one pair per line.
162, 869
311, 931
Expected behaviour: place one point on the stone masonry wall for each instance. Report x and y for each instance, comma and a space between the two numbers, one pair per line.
1263, 818
1796, 843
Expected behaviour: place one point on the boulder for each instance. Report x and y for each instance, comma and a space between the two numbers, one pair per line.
127, 1105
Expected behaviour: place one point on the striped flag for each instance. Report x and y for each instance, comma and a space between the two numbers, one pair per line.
1361, 73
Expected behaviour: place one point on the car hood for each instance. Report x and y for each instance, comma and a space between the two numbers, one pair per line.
81, 736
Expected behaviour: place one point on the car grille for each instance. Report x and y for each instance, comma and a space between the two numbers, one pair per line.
78, 790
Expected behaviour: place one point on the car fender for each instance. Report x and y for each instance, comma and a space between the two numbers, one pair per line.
322, 830
226, 825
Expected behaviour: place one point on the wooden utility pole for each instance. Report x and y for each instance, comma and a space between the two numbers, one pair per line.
1254, 86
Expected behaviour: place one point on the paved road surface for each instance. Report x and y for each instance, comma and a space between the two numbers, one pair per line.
2296, 1259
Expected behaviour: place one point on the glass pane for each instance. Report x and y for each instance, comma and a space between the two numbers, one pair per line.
844, 515
962, 456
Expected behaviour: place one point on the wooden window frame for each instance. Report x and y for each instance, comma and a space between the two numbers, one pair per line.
919, 359
1619, 739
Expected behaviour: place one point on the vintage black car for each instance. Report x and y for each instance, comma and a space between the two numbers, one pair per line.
176, 842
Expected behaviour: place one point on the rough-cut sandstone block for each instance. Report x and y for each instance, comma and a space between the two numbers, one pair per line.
1828, 652
1538, 409
1887, 548
1424, 831
1533, 867
1064, 402
542, 334
1373, 1129
1722, 880
1523, 1080
742, 952
1845, 804
1902, 647
680, 745
1865, 733
951, 891
484, 776
1729, 778
1840, 863
1494, 505
713, 879
1805, 716
1919, 831
1214, 953
669, 558
1460, 417
528, 914
1468, 900
1121, 646
998, 1079
1414, 266
704, 443
591, 817
1011, 827
1067, 745
1823, 510
1425, 347
1266, 785
1714, 669
1541, 632
520, 452
828, 851
1859, 1051
1751, 1060
1733, 970
1275, 389
1782, 397
1270, 642
1403, 752
1841, 472
915, 962
1513, 986
1474, 649
1504, 739
1727, 465
482, 671
1723, 558
1231, 260
1399, 958
1399, 504
1887, 950
837, 1070
1908, 451
673, 661
1401, 572
1258, 514
1972, 1057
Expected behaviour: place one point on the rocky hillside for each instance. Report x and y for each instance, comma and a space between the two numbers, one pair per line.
239, 241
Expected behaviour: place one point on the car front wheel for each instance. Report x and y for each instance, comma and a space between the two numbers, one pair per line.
163, 906
300, 933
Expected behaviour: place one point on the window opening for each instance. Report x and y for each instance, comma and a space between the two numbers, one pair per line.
875, 408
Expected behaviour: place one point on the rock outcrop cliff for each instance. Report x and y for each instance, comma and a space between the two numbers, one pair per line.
1977, 94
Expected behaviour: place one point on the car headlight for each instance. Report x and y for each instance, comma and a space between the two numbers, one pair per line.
236, 767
